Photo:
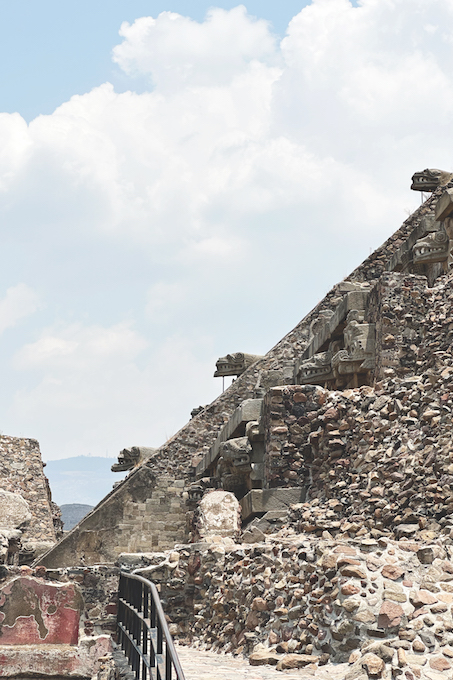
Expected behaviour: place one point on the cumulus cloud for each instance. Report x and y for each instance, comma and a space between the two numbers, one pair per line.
100, 391
19, 302
176, 51
209, 213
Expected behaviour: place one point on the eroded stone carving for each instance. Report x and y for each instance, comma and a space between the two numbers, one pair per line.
234, 364
198, 488
429, 179
358, 357
129, 458
320, 321
433, 247
234, 466
317, 368
219, 515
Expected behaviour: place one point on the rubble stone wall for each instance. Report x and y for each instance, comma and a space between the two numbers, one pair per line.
333, 600
178, 457
21, 472
397, 306
369, 458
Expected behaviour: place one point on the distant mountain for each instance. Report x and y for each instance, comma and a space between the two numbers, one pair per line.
82, 479
72, 514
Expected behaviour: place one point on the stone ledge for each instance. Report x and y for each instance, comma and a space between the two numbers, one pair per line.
259, 501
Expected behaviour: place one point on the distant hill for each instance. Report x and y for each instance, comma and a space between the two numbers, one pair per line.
72, 514
83, 480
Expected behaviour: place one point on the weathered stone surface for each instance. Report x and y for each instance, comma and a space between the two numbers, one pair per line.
365, 616
444, 207
425, 555
416, 660
439, 663
260, 604
219, 515
402, 661
33, 611
264, 657
353, 572
350, 589
55, 661
259, 501
373, 664
418, 646
296, 661
25, 502
351, 604
420, 598
14, 510
252, 620
392, 571
390, 614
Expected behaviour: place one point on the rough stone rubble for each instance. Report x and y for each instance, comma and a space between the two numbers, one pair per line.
30, 522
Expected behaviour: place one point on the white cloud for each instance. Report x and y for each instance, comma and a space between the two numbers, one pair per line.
76, 348
98, 390
19, 302
208, 214
177, 51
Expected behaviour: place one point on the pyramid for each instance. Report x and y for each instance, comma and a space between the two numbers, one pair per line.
271, 441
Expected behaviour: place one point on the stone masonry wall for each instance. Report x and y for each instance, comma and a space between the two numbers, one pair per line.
397, 306
374, 461
21, 471
143, 515
179, 455
155, 520
364, 600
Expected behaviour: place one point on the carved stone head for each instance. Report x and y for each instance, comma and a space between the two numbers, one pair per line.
430, 179
434, 247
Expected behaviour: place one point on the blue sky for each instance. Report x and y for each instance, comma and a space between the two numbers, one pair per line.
174, 187
51, 50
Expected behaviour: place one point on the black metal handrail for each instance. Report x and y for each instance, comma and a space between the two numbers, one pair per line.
143, 631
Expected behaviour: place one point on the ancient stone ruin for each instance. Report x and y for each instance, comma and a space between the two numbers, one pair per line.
305, 517
29, 520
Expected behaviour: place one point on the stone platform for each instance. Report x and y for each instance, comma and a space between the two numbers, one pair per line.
54, 661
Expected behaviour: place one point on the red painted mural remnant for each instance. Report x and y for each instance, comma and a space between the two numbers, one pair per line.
34, 611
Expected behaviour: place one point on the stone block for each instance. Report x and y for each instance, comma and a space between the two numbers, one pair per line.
219, 515
259, 501
444, 206
33, 611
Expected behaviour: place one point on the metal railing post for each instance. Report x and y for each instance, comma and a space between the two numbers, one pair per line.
143, 633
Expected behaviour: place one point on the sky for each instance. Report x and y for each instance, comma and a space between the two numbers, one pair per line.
179, 181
